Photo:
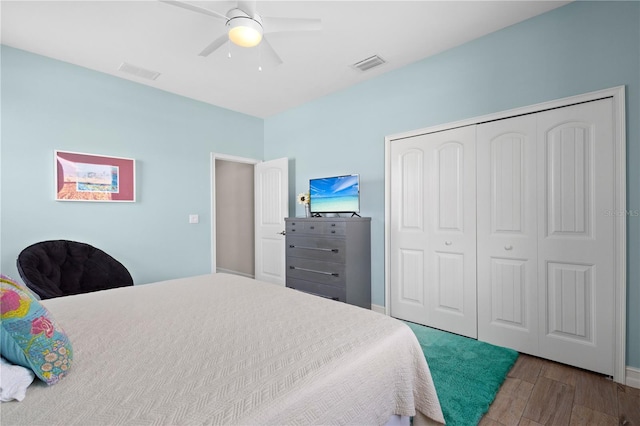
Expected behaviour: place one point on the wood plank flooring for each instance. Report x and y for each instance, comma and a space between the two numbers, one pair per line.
541, 392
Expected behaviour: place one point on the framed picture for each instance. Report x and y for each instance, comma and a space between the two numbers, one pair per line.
88, 177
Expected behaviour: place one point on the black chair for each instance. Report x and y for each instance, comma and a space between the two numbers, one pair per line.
60, 268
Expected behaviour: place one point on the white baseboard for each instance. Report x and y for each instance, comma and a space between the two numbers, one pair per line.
228, 271
377, 308
633, 377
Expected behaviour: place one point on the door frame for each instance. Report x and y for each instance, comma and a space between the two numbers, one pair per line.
620, 200
212, 179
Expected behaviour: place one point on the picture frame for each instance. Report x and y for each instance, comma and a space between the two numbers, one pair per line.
89, 177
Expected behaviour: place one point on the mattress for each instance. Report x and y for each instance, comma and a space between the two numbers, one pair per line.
225, 349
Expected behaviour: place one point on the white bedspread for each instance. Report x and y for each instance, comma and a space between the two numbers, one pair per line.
223, 349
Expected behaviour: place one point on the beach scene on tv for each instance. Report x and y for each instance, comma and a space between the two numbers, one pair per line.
338, 194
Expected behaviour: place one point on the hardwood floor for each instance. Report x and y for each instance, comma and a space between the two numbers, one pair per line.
541, 392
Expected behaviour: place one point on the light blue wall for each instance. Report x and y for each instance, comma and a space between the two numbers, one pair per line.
48, 104
579, 48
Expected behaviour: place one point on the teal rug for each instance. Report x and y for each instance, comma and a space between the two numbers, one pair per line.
466, 373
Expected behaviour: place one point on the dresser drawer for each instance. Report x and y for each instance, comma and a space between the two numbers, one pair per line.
329, 292
318, 248
311, 227
317, 271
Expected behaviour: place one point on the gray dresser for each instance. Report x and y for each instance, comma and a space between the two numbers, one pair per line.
330, 257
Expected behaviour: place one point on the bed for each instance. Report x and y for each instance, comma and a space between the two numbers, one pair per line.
225, 349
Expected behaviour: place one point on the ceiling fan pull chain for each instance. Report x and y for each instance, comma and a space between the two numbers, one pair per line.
229, 48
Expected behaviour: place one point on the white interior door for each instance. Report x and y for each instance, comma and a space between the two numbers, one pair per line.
433, 234
576, 236
271, 208
507, 233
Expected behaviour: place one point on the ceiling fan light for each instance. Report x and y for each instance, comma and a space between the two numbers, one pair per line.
245, 32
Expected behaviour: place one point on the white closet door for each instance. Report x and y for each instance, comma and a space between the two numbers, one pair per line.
433, 261
408, 236
576, 236
507, 233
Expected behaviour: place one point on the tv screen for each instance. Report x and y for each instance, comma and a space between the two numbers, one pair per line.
337, 194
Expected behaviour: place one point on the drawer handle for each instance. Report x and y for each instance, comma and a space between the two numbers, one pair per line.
333, 274
314, 248
447, 243
508, 247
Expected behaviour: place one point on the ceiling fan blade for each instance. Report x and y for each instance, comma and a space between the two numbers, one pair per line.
279, 25
269, 56
248, 7
215, 45
194, 8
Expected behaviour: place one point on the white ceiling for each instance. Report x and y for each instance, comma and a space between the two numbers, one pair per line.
101, 35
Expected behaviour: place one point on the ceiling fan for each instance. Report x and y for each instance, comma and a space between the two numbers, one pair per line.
246, 28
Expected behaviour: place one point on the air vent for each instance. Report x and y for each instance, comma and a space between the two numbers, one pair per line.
367, 64
138, 72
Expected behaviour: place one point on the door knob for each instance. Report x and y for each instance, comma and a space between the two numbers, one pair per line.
282, 233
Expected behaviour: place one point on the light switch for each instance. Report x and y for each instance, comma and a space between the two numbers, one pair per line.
194, 218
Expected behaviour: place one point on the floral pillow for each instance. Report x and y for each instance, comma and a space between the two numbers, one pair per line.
30, 336
8, 280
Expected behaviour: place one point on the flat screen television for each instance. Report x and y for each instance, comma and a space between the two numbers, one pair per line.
336, 194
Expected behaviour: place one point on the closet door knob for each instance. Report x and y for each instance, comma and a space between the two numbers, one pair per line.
447, 243
508, 247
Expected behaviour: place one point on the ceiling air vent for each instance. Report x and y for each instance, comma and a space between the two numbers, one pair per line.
367, 64
138, 72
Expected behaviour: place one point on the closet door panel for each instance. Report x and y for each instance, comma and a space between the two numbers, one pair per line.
432, 238
451, 255
408, 242
447, 261
576, 237
507, 233
508, 301
569, 147
411, 279
569, 300
449, 276
448, 190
